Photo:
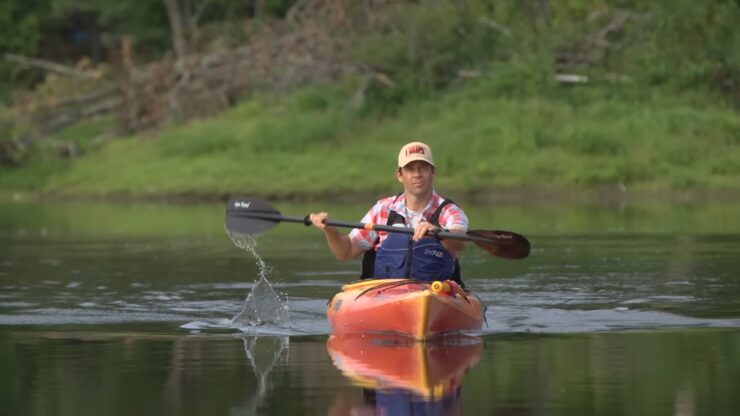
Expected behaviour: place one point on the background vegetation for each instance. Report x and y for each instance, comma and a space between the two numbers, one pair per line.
532, 94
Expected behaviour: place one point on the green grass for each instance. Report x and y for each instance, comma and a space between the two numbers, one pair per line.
85, 134
484, 138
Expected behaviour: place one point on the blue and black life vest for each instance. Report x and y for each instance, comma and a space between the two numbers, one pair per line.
400, 256
400, 401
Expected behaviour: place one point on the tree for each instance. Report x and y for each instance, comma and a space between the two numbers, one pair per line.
20, 33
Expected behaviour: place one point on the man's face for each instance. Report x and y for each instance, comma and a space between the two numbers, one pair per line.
417, 177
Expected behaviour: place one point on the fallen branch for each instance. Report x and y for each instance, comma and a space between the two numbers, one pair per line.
58, 121
58, 103
48, 66
571, 78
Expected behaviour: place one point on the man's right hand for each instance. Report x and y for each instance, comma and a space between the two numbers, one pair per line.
318, 220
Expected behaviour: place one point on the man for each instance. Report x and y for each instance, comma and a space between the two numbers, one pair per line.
389, 255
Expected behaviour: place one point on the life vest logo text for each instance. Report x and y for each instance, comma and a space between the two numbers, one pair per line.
431, 252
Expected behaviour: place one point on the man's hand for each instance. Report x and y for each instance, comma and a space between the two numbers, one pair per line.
424, 229
318, 220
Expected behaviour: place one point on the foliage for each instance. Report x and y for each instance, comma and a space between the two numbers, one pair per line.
474, 78
25, 24
20, 32
429, 45
484, 140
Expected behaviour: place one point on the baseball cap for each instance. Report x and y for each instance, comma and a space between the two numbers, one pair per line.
415, 151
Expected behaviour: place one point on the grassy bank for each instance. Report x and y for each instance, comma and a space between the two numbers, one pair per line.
311, 143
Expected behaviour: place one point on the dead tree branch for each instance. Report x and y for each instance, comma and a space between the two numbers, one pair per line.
48, 66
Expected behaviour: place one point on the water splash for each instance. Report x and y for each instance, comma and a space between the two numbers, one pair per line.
262, 305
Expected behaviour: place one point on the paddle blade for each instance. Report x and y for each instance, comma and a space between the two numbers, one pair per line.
502, 243
249, 215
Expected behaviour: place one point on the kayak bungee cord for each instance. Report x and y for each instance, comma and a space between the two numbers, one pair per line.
389, 285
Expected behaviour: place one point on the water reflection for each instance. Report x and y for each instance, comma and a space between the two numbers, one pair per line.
402, 376
263, 353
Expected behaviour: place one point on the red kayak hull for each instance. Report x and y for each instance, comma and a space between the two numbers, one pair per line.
405, 307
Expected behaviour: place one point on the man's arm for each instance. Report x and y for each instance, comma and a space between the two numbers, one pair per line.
340, 244
425, 229
453, 246
455, 221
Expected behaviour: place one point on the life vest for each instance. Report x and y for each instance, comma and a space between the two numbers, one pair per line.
400, 256
400, 401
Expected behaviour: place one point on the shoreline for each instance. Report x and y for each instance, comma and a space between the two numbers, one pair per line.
606, 195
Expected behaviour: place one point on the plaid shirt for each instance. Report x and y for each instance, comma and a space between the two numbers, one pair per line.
451, 216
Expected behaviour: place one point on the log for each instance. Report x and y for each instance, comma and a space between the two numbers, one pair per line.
48, 66
571, 78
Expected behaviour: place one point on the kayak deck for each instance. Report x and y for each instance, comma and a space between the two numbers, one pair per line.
401, 306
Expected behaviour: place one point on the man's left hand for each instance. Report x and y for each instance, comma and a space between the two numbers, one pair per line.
424, 229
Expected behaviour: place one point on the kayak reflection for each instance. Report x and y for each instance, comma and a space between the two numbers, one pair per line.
402, 376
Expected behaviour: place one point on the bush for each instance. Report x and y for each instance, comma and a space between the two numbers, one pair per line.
421, 47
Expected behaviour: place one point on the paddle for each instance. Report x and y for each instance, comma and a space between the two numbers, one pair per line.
247, 215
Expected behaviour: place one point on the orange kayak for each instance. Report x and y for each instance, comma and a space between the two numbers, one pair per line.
420, 310
429, 370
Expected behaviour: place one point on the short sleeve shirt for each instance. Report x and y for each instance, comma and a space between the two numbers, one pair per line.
451, 216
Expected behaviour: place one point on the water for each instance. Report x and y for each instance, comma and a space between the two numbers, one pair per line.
151, 309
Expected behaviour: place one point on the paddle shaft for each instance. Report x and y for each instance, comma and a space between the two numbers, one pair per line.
368, 226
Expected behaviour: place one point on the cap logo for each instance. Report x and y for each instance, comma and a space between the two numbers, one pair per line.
415, 149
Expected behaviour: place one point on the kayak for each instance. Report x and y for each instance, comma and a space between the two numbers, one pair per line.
420, 310
430, 370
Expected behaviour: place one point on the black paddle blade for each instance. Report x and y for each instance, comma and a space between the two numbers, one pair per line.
248, 215
502, 243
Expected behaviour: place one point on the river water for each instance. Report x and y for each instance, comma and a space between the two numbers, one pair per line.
123, 309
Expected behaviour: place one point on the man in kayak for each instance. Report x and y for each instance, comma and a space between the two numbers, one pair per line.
393, 255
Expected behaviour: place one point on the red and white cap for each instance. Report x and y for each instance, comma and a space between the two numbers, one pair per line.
415, 151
